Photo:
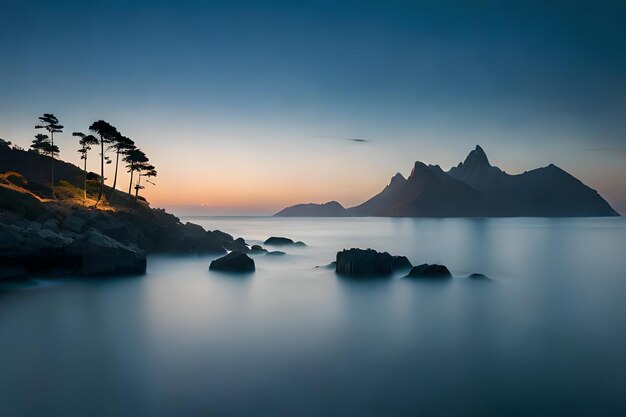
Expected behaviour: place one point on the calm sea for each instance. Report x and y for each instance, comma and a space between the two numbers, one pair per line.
545, 337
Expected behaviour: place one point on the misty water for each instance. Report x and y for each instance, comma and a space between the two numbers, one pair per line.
547, 336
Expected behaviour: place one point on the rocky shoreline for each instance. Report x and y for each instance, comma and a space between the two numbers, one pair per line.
59, 239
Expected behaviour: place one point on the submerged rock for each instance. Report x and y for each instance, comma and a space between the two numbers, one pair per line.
278, 241
275, 253
332, 265
429, 271
257, 250
235, 261
478, 277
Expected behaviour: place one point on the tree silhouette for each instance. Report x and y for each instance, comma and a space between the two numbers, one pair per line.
146, 170
86, 142
40, 143
134, 158
107, 133
50, 122
121, 145
43, 146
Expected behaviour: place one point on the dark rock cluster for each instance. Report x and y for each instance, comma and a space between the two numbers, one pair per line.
363, 262
58, 238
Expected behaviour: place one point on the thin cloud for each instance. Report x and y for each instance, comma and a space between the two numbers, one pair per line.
355, 140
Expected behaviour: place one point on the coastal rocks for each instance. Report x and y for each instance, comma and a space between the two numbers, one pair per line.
257, 250
101, 255
192, 229
400, 262
282, 241
73, 224
237, 244
219, 235
429, 271
120, 228
26, 247
12, 274
363, 262
275, 253
192, 238
91, 253
217, 241
235, 261
51, 224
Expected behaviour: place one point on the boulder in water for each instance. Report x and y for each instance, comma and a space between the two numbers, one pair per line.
364, 262
257, 250
235, 261
282, 241
429, 271
478, 277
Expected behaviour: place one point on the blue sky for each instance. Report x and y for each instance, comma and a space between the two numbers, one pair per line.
245, 106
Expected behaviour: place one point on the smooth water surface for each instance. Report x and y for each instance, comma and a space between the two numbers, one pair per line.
547, 336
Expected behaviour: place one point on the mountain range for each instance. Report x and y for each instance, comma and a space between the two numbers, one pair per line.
474, 188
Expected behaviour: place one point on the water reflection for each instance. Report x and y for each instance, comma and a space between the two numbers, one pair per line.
546, 337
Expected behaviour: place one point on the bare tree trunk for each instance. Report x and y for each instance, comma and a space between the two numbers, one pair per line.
85, 187
137, 187
52, 154
101, 170
130, 186
117, 160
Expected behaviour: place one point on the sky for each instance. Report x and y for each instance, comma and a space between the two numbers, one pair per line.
247, 107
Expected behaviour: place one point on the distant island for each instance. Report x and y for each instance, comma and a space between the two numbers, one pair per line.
474, 188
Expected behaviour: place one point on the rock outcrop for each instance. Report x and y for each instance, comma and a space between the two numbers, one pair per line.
478, 277
368, 262
235, 261
257, 250
101, 255
42, 250
429, 271
400, 263
282, 241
